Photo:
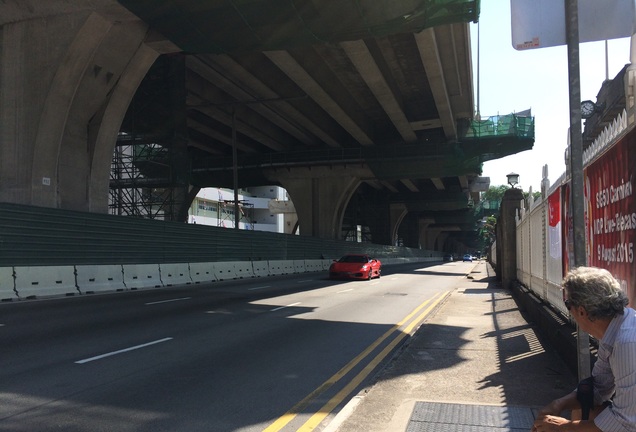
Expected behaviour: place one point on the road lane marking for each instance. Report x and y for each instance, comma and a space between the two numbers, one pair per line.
258, 288
315, 420
282, 421
99, 357
283, 307
168, 301
347, 290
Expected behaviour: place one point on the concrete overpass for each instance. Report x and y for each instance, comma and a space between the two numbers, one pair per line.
360, 112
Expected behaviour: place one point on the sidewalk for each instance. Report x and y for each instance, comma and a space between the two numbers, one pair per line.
475, 365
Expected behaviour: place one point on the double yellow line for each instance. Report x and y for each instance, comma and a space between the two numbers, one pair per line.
324, 411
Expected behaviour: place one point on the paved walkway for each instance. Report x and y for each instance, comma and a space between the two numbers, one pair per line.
475, 365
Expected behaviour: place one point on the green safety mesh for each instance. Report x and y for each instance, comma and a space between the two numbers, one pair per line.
225, 26
518, 125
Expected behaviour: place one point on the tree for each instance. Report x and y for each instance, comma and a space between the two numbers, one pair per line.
488, 210
487, 232
494, 193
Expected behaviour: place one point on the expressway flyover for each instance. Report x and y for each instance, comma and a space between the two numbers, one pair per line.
362, 110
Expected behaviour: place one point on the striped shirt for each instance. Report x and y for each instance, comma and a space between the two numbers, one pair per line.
615, 375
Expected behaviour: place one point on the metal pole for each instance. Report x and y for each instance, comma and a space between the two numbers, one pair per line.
576, 165
237, 215
478, 47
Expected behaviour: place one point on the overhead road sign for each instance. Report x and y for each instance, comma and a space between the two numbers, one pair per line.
541, 23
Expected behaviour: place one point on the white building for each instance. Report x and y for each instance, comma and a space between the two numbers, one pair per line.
264, 208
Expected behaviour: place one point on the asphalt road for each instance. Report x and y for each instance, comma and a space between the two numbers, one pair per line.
276, 354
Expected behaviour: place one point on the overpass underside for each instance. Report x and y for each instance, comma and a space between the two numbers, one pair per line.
361, 110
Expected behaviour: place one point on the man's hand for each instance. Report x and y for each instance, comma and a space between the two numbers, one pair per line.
549, 423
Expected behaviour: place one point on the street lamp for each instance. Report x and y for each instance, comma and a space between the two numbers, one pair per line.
513, 179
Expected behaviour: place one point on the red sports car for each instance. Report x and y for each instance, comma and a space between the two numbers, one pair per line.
355, 267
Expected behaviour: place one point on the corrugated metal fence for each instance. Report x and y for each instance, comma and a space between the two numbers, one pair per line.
39, 236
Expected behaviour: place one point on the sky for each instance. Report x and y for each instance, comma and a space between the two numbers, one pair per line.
513, 81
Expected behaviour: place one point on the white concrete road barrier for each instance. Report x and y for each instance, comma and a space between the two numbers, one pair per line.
243, 269
299, 266
175, 274
138, 276
260, 268
96, 278
44, 281
224, 270
40, 281
314, 265
6, 284
279, 267
202, 272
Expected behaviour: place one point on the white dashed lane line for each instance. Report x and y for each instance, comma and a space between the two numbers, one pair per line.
168, 301
136, 347
283, 307
258, 288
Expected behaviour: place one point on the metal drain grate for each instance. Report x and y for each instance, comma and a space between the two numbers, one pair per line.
445, 417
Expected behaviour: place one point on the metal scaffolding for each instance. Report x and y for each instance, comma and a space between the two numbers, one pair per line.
150, 168
226, 213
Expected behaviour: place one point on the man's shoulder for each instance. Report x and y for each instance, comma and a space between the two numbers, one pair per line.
627, 331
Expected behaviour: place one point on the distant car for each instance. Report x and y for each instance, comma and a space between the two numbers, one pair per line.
468, 257
355, 266
448, 257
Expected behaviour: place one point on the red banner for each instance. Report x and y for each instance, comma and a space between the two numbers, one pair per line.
554, 224
610, 208
568, 229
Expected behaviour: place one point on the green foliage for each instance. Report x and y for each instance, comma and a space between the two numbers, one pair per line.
494, 193
487, 232
536, 195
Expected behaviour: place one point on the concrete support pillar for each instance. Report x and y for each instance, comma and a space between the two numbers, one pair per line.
441, 240
507, 236
431, 238
410, 231
66, 82
436, 237
397, 212
423, 231
320, 196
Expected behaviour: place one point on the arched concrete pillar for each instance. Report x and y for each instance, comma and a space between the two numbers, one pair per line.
431, 237
397, 211
436, 237
105, 126
423, 231
320, 196
441, 240
66, 83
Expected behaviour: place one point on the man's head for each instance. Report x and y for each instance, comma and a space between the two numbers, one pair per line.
596, 290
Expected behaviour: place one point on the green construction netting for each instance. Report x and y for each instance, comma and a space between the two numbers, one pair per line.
225, 26
518, 125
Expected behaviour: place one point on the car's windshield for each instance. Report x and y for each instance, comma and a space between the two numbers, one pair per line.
353, 259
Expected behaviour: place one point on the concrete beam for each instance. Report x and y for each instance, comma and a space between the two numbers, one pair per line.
410, 185
438, 183
429, 53
365, 64
286, 63
205, 69
228, 66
